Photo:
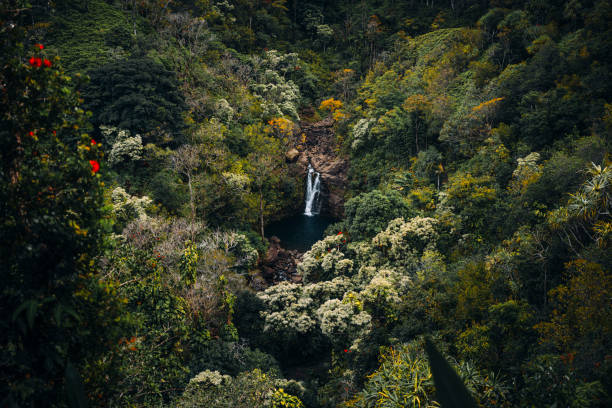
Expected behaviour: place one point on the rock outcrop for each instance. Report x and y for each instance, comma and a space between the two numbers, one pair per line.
292, 155
321, 151
280, 264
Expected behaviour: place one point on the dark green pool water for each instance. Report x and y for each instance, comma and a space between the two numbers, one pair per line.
300, 231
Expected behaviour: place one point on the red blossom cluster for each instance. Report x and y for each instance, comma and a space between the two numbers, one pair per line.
158, 255
95, 166
35, 62
38, 62
129, 343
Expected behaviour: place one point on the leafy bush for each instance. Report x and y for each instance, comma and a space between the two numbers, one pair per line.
138, 95
246, 390
57, 317
369, 213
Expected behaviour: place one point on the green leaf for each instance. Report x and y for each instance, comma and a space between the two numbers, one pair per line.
31, 309
74, 388
450, 390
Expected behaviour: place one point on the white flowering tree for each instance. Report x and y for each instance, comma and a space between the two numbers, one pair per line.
326, 260
344, 321
403, 239
277, 95
291, 310
125, 148
361, 132
127, 207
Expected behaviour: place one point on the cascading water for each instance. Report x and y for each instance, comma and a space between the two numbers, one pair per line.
313, 192
301, 231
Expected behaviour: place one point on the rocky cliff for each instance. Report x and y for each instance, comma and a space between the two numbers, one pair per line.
320, 150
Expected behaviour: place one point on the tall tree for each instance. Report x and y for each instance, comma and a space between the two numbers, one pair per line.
56, 317
140, 95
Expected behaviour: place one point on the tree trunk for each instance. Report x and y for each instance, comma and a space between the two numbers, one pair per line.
416, 135
261, 214
134, 16
191, 201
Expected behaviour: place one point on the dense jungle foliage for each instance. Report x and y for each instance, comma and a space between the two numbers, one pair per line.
143, 153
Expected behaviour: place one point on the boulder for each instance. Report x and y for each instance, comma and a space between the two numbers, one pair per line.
292, 155
279, 264
273, 251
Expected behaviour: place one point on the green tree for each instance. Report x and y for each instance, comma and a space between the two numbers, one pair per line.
266, 169
58, 319
369, 213
139, 95
581, 321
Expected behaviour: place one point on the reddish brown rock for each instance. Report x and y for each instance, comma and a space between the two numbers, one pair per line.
279, 264
292, 155
321, 151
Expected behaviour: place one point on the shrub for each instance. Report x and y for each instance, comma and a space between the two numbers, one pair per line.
369, 213
139, 95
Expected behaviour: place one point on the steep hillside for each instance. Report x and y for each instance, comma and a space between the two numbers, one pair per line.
456, 152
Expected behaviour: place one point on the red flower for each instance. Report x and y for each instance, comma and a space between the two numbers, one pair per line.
54, 133
39, 46
31, 133
95, 166
340, 233
47, 63
35, 62
346, 351
93, 142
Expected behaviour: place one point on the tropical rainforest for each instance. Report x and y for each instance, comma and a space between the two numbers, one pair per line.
147, 145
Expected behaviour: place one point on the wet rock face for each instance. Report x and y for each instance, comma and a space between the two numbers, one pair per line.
280, 264
320, 151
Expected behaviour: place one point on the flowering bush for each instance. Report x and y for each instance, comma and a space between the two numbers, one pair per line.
125, 148
325, 260
527, 172
224, 111
127, 207
402, 238
292, 308
58, 317
246, 390
277, 96
209, 378
287, 311
343, 322
361, 132
333, 289
384, 288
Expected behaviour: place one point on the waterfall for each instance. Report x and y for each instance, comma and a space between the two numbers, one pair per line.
313, 192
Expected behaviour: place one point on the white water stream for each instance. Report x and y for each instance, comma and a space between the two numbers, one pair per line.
313, 192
